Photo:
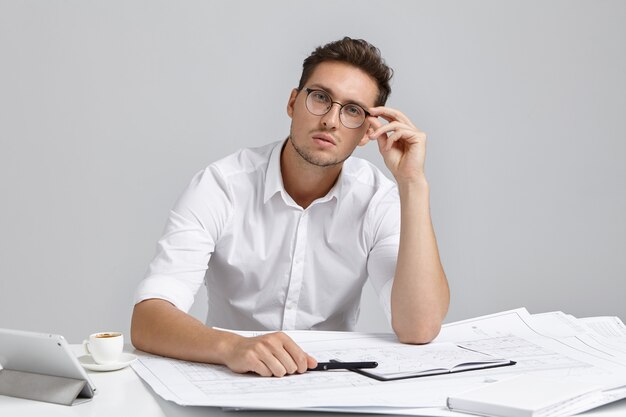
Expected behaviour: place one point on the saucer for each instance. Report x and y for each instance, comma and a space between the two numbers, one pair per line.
88, 363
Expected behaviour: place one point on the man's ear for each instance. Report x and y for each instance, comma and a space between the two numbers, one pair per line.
367, 136
292, 102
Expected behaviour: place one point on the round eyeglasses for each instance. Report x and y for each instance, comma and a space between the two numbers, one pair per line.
319, 102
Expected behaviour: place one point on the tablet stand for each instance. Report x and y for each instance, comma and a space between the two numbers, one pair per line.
31, 386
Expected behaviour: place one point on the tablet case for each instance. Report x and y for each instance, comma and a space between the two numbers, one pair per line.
41, 367
52, 389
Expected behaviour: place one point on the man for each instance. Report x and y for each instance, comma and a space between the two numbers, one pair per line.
286, 235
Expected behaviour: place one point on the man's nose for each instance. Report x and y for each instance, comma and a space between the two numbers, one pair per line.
331, 119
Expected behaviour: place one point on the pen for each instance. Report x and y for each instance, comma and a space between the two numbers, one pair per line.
333, 364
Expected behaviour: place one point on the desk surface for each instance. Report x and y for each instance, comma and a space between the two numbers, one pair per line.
123, 393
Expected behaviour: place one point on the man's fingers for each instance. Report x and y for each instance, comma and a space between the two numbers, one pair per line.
389, 127
397, 135
273, 354
282, 355
297, 355
390, 115
311, 362
262, 369
410, 136
286, 361
375, 124
274, 365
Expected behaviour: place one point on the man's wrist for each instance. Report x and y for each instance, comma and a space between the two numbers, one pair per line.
224, 344
413, 185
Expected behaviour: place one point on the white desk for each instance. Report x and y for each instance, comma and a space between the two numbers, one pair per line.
123, 393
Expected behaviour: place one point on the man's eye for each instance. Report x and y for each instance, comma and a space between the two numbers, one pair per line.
321, 97
352, 110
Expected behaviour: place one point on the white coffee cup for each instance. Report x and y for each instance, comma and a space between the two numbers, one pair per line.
105, 347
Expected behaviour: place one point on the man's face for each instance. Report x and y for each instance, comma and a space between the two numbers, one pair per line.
323, 140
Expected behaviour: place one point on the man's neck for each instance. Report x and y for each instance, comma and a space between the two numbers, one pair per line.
303, 181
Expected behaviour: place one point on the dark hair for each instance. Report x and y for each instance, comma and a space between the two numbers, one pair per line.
356, 52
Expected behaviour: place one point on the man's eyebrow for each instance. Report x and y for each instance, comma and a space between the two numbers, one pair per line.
330, 91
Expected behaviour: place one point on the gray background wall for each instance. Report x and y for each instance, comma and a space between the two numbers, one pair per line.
108, 108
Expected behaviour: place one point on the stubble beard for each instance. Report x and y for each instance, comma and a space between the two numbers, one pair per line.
312, 158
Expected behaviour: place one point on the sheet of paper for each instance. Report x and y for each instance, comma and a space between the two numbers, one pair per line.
610, 327
594, 339
408, 360
541, 348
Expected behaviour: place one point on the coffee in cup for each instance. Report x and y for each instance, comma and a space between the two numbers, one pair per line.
106, 335
105, 347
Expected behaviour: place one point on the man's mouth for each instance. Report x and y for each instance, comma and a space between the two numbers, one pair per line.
324, 138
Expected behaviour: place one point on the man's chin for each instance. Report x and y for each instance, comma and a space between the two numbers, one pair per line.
316, 159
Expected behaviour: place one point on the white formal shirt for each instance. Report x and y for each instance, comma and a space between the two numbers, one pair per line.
269, 264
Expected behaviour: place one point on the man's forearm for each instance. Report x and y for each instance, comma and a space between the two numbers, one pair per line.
420, 295
159, 327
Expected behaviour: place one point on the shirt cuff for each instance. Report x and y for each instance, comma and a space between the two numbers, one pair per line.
165, 288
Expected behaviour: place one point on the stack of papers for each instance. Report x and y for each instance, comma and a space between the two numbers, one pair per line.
553, 345
529, 395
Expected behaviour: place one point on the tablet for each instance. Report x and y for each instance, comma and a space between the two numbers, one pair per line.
42, 353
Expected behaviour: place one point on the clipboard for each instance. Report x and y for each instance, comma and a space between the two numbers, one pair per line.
433, 373
470, 360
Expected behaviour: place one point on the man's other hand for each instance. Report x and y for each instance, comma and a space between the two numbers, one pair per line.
272, 354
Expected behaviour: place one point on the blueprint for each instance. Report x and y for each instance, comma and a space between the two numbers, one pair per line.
552, 344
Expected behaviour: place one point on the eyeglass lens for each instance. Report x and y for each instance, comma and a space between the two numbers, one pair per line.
319, 103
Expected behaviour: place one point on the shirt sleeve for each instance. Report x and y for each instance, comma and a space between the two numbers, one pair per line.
383, 225
191, 232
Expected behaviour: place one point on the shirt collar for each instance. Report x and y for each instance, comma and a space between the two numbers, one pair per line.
274, 179
273, 176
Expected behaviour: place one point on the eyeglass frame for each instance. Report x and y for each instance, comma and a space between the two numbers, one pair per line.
341, 106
